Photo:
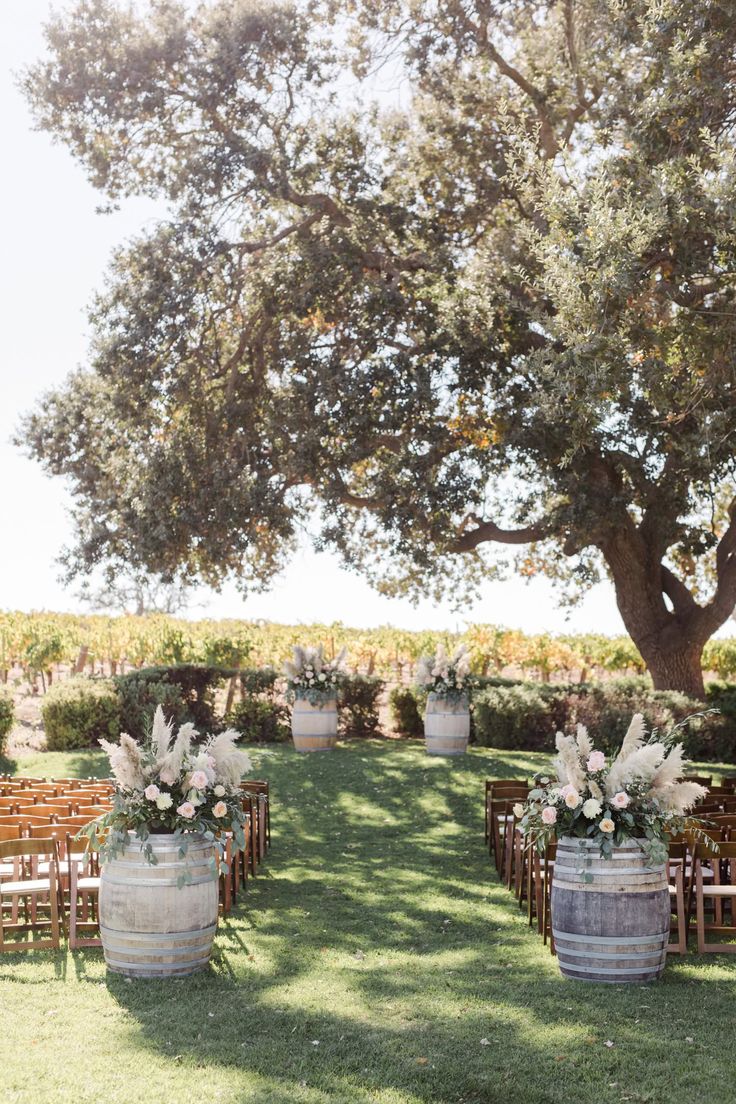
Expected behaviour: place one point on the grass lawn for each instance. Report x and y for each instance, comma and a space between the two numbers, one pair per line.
375, 959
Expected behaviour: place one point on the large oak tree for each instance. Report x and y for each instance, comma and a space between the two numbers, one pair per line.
492, 307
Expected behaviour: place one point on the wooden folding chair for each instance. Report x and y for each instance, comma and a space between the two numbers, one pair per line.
498, 788
263, 790
250, 809
84, 892
30, 887
498, 803
544, 873
722, 889
57, 808
676, 881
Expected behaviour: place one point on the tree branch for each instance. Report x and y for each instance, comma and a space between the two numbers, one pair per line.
488, 531
722, 604
682, 600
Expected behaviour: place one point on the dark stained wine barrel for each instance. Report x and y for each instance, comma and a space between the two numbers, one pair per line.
614, 927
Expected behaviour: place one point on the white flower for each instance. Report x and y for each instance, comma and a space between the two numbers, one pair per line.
164, 801
219, 810
518, 810
592, 808
606, 825
323, 677
219, 791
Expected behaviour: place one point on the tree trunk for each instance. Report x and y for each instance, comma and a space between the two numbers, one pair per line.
670, 640
678, 669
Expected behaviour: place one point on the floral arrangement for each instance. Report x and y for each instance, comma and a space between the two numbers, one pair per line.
446, 676
310, 676
640, 795
171, 786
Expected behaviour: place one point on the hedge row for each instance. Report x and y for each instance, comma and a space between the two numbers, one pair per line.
526, 715
7, 717
505, 714
79, 711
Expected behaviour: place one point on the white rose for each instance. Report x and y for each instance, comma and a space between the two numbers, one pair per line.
219, 791
592, 808
323, 678
518, 811
164, 801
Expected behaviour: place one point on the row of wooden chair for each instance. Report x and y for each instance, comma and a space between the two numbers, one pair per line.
53, 878
699, 879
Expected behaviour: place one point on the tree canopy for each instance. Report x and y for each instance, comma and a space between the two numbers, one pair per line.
492, 307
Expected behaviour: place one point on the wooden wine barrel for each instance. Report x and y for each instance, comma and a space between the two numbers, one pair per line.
148, 926
616, 927
446, 726
314, 727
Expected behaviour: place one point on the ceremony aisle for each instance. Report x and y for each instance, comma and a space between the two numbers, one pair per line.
375, 960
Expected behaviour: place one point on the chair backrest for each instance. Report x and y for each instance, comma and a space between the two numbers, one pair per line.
726, 822
77, 820
80, 797
9, 832
45, 845
25, 819
701, 779
56, 832
8, 802
58, 808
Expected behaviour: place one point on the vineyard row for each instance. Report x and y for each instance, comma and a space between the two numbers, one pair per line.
39, 643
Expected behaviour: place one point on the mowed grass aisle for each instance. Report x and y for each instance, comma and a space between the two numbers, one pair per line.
375, 959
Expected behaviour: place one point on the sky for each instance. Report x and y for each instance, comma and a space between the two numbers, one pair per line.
55, 252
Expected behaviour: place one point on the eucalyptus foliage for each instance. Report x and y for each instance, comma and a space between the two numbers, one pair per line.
494, 306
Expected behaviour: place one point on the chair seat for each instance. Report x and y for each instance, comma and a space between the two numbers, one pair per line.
719, 891
88, 883
30, 885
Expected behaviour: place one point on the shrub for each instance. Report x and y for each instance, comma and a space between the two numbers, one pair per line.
405, 711
259, 680
526, 716
358, 715
260, 720
78, 712
7, 718
186, 693
514, 717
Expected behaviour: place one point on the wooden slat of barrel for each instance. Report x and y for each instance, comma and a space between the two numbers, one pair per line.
314, 727
615, 928
148, 926
446, 726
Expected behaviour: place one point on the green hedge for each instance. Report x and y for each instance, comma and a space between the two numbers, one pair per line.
406, 711
185, 692
527, 715
358, 714
78, 712
260, 720
7, 719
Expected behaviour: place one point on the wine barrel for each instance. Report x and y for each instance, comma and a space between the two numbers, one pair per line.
314, 727
148, 926
446, 726
615, 927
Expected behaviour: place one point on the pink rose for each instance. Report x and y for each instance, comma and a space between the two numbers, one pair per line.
549, 814
198, 780
620, 800
572, 798
186, 810
596, 761
219, 810
151, 792
168, 777
568, 789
